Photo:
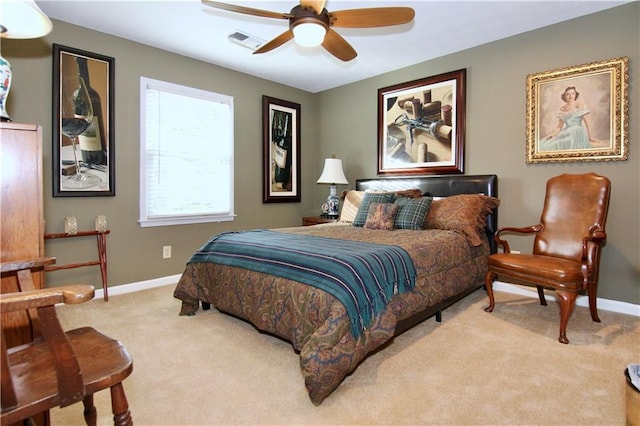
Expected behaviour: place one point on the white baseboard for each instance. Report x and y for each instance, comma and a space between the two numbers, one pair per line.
141, 285
604, 304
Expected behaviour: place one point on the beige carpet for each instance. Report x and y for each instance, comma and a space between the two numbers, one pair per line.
473, 368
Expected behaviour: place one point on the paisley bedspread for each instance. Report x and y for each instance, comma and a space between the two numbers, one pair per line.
315, 322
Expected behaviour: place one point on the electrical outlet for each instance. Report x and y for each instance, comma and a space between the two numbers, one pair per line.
512, 251
166, 252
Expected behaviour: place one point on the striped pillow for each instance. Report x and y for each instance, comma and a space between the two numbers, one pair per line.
352, 201
411, 212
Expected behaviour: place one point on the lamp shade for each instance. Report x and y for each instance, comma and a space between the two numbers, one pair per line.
332, 172
23, 19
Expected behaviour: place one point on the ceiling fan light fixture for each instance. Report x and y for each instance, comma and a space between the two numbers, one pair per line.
309, 34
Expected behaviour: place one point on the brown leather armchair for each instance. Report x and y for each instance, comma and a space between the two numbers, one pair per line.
566, 246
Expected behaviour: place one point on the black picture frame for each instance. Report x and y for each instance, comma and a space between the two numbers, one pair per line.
281, 150
421, 126
101, 76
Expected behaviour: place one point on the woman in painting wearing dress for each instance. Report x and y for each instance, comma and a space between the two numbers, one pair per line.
572, 131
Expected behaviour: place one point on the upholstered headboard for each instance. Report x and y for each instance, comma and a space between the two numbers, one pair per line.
442, 186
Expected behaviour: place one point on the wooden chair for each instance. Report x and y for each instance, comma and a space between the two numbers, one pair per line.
566, 247
58, 368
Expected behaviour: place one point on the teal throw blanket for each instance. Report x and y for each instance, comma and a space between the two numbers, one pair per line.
362, 276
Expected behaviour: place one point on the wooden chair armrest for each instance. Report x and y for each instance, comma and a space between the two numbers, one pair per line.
516, 230
70, 381
596, 236
39, 262
70, 294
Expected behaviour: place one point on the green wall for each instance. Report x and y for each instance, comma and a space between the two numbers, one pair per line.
495, 128
135, 253
342, 121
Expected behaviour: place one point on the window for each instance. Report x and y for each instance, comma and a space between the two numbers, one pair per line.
186, 155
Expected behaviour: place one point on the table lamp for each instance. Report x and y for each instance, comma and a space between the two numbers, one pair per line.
332, 174
18, 19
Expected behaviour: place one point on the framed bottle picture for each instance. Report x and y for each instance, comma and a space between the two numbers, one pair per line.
281, 150
83, 123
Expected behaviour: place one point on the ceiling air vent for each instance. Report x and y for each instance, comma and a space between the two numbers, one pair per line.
246, 40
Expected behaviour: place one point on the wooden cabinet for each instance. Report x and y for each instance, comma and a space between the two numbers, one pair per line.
21, 212
316, 220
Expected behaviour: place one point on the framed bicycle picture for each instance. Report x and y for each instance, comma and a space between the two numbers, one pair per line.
579, 113
421, 126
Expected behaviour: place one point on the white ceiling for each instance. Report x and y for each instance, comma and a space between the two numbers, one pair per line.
189, 28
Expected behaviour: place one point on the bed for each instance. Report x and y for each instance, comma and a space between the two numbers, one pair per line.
447, 261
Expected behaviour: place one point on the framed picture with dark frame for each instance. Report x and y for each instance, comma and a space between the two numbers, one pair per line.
421, 126
578, 113
281, 150
83, 123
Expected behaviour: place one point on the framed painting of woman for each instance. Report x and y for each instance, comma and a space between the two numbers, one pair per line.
578, 113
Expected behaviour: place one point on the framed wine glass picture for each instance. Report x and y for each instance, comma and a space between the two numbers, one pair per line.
83, 123
281, 150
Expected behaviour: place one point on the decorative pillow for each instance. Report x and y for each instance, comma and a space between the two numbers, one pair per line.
409, 193
352, 200
381, 216
411, 212
367, 199
466, 213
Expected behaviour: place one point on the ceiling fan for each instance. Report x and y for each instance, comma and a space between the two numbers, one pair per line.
310, 24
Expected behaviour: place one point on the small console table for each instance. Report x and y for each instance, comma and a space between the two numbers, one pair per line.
316, 220
101, 237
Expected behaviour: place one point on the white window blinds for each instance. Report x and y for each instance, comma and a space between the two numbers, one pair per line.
186, 155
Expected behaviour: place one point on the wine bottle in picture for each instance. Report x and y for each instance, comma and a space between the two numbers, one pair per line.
92, 141
282, 140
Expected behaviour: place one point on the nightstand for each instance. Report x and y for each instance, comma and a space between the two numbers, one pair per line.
316, 220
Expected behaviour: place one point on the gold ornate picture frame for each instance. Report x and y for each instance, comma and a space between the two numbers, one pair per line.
579, 113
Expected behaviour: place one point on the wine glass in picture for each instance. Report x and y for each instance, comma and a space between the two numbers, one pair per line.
77, 113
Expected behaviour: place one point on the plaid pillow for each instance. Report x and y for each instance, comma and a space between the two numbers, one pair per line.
411, 212
367, 199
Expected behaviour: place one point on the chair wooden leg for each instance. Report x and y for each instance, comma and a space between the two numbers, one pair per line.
90, 412
567, 303
592, 291
543, 300
120, 406
488, 285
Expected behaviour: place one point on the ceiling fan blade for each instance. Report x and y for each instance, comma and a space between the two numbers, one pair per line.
316, 5
338, 46
371, 17
276, 42
246, 10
